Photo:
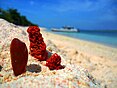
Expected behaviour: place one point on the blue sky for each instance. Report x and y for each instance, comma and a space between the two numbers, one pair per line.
83, 14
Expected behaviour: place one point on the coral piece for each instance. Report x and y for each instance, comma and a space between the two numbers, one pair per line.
54, 62
37, 45
38, 49
19, 56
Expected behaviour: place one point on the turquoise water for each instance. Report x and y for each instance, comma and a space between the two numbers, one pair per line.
108, 38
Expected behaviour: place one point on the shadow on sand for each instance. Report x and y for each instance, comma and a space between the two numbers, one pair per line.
33, 68
1, 67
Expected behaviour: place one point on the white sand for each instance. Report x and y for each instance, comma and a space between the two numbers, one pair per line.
77, 55
99, 60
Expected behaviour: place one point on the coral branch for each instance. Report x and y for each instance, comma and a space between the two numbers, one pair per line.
37, 45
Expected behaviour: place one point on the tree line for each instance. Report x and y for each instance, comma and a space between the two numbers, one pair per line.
13, 16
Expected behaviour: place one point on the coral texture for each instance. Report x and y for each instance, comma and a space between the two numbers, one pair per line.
37, 45
54, 62
19, 56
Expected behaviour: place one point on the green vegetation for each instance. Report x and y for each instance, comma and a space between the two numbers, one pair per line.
13, 16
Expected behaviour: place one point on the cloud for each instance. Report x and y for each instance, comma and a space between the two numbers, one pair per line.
78, 5
31, 2
100, 9
68, 5
73, 6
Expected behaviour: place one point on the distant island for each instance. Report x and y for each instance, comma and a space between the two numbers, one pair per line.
13, 16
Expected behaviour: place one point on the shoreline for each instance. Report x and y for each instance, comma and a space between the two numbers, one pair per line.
88, 40
78, 55
82, 43
99, 60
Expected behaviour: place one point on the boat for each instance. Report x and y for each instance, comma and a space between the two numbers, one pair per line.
65, 29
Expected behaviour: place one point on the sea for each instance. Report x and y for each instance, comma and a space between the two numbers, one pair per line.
108, 38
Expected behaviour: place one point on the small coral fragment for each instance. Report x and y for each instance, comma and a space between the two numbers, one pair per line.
37, 45
19, 56
54, 62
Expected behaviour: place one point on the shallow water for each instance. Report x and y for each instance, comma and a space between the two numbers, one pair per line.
108, 38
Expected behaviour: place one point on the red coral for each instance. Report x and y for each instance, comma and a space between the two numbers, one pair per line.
19, 56
54, 62
37, 45
38, 49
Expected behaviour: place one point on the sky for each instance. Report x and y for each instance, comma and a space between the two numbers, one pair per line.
82, 14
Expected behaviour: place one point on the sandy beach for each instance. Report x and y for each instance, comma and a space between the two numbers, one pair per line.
99, 60
91, 58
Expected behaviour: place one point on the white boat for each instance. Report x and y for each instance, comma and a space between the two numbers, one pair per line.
65, 29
